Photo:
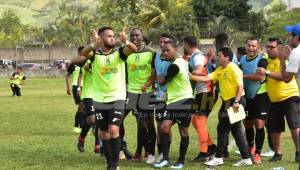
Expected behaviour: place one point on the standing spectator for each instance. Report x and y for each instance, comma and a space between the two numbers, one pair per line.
284, 101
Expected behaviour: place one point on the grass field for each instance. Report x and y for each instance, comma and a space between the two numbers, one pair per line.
35, 133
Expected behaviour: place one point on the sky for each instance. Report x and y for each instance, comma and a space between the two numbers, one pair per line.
294, 3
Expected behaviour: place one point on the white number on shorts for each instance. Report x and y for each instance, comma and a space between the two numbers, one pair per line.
99, 116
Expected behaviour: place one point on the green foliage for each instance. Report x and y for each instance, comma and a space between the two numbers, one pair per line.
276, 27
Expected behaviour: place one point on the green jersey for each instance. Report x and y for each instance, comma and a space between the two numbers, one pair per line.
74, 70
179, 87
139, 69
109, 76
87, 85
17, 79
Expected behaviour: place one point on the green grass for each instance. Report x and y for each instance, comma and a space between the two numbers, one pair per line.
35, 133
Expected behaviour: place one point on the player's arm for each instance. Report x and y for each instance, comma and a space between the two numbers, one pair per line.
172, 71
68, 78
88, 51
273, 75
129, 46
79, 80
200, 78
257, 76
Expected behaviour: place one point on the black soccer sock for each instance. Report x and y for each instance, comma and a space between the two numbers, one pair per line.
107, 152
142, 140
151, 139
122, 134
159, 148
164, 140
250, 136
77, 119
115, 148
97, 141
259, 139
84, 131
184, 143
270, 141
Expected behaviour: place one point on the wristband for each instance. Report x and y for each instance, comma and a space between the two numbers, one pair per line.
92, 45
267, 72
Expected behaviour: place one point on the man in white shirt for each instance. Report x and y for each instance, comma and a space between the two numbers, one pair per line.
293, 66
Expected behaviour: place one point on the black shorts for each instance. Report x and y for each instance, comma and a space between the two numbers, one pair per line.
159, 110
88, 106
179, 112
203, 104
75, 96
258, 107
140, 104
109, 113
288, 108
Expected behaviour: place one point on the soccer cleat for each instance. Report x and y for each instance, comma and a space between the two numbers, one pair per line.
212, 149
161, 164
159, 158
215, 162
80, 146
276, 157
257, 159
243, 162
137, 158
150, 159
269, 153
177, 165
145, 156
122, 155
201, 157
127, 153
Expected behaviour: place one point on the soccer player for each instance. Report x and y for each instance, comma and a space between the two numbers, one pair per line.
257, 99
72, 74
230, 79
86, 95
109, 83
16, 82
179, 104
161, 66
141, 76
204, 99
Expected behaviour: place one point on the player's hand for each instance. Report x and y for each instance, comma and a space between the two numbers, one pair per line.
283, 52
144, 88
95, 38
235, 107
91, 120
123, 36
261, 71
68, 92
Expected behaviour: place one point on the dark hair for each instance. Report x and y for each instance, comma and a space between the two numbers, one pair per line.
79, 49
277, 40
102, 29
166, 35
138, 29
173, 44
191, 41
226, 52
221, 38
252, 39
19, 67
241, 50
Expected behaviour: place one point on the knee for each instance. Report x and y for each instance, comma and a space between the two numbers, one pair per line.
184, 132
113, 131
164, 128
